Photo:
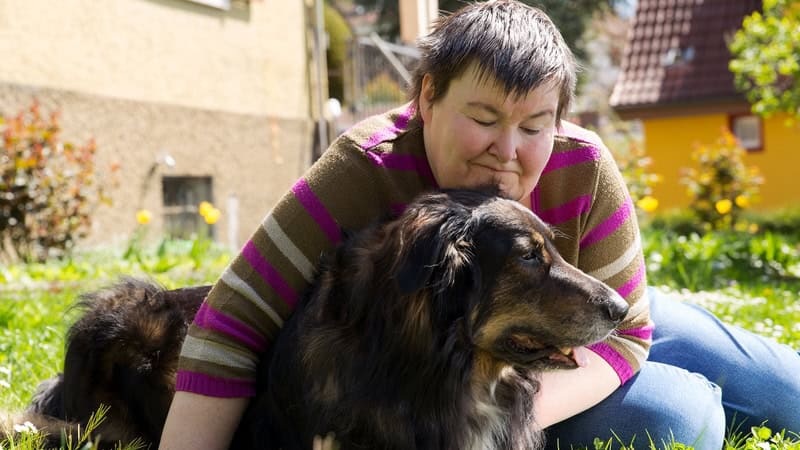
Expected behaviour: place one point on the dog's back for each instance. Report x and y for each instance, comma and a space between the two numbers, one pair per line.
122, 352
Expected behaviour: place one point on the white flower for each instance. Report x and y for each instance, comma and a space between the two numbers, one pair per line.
5, 384
26, 427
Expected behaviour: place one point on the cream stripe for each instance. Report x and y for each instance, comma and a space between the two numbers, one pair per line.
619, 264
233, 281
213, 352
287, 247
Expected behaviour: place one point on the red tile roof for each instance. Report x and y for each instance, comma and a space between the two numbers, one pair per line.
677, 55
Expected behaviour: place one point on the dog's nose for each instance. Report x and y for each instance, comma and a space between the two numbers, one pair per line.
617, 309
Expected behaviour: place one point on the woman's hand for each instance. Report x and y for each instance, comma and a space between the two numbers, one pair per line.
565, 393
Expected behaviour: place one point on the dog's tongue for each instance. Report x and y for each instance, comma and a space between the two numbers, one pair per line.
581, 356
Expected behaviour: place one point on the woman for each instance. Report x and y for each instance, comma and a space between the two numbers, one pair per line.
493, 83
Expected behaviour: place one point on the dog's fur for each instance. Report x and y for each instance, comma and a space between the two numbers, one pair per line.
422, 332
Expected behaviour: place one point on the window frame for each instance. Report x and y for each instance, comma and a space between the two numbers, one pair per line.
732, 118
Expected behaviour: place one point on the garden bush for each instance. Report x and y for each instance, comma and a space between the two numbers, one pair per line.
722, 186
49, 189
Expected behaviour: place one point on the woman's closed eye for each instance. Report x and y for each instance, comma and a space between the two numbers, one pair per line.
484, 123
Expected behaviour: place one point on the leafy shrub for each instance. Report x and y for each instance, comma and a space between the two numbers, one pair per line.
634, 164
48, 189
338, 35
722, 186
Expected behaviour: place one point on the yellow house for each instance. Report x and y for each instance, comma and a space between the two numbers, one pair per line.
675, 79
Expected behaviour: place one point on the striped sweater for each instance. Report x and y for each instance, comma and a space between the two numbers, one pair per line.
374, 169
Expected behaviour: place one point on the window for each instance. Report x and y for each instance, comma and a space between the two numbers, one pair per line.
220, 4
182, 196
748, 128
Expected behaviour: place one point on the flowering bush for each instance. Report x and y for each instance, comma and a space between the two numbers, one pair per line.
634, 164
48, 189
722, 186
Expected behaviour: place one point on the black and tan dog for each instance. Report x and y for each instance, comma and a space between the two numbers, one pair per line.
423, 332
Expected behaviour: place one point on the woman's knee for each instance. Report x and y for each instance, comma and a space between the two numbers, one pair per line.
661, 404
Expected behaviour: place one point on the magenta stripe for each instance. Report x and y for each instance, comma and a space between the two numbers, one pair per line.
614, 359
609, 225
203, 384
570, 210
633, 283
645, 332
211, 319
570, 158
316, 210
390, 132
402, 162
269, 274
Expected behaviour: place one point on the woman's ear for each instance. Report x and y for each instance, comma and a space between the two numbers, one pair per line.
426, 97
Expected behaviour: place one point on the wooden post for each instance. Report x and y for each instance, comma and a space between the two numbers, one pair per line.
416, 17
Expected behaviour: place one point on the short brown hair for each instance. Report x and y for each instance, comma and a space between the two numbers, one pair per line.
516, 44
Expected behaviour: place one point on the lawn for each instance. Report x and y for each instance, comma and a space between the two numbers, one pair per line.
748, 278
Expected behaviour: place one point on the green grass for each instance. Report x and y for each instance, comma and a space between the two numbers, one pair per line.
715, 270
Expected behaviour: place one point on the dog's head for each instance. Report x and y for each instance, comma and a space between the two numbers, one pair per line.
489, 265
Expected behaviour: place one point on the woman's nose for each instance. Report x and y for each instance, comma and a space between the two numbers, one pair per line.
504, 147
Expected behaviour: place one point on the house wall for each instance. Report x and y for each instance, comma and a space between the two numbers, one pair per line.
671, 140
224, 93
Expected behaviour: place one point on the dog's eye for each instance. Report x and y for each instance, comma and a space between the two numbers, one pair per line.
532, 256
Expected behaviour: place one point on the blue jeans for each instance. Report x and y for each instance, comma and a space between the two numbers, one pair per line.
702, 378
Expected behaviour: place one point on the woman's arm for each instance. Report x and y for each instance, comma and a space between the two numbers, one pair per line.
565, 393
198, 422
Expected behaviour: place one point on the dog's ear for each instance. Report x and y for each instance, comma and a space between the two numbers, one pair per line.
419, 262
433, 248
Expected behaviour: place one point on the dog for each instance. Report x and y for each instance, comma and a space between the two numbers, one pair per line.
425, 331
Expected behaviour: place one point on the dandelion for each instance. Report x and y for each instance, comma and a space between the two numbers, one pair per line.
143, 216
212, 216
647, 203
204, 208
723, 206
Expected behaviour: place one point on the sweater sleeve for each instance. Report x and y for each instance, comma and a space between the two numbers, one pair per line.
255, 294
611, 251
582, 193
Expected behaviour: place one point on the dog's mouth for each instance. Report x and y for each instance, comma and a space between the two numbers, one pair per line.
528, 351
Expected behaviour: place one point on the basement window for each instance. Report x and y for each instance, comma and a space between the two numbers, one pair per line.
219, 4
749, 129
182, 197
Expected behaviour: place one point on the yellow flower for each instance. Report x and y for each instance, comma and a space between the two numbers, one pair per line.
723, 206
143, 216
742, 201
753, 228
212, 215
647, 203
204, 208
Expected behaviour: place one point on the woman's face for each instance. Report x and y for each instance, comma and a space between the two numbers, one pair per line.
477, 135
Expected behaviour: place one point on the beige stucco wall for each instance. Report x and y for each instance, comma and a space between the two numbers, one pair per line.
225, 93
255, 158
249, 60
